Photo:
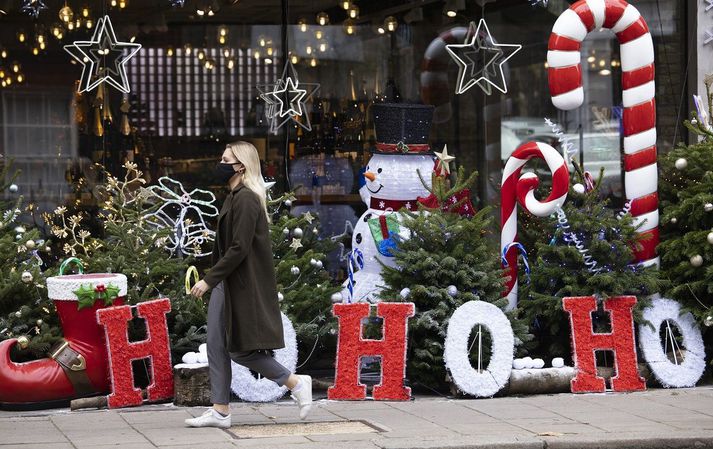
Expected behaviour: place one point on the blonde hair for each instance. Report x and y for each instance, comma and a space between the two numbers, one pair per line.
246, 153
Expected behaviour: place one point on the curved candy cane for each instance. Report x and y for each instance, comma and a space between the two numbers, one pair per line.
521, 189
637, 64
435, 89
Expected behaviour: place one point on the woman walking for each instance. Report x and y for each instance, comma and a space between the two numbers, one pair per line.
244, 321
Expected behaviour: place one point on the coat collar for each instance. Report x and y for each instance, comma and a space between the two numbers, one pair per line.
237, 188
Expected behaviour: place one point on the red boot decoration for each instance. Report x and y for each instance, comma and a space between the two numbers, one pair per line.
78, 366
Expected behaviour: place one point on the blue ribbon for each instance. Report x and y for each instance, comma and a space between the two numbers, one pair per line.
522, 251
354, 256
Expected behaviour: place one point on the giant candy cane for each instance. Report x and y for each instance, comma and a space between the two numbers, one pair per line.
521, 189
637, 64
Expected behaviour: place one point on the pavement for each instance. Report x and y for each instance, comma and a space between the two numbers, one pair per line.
675, 418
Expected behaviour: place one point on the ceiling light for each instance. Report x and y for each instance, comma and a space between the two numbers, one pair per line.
323, 18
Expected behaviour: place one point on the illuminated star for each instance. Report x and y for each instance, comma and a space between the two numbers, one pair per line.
444, 160
295, 244
480, 60
286, 99
33, 7
308, 217
103, 58
290, 96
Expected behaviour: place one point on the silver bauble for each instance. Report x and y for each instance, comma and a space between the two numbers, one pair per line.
681, 163
708, 321
337, 297
13, 188
288, 203
280, 296
579, 188
297, 232
286, 231
295, 270
710, 238
26, 277
313, 262
405, 292
452, 290
697, 260
20, 229
319, 264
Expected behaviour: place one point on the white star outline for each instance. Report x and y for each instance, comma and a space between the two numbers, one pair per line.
268, 93
470, 41
290, 88
104, 29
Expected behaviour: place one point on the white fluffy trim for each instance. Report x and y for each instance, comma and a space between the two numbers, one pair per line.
687, 373
63, 287
496, 375
264, 390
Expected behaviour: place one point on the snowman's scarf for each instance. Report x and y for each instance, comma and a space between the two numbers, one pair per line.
355, 256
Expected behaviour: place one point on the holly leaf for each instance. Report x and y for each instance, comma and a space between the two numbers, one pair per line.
111, 292
86, 296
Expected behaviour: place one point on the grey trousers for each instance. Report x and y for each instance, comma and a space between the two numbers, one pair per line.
219, 358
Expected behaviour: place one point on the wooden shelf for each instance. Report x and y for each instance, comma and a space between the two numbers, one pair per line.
352, 198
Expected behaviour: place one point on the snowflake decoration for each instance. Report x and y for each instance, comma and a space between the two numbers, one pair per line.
185, 213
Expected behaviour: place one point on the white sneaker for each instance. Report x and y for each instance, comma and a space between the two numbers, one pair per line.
303, 396
210, 418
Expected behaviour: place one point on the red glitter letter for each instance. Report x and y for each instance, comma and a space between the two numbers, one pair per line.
620, 341
122, 352
392, 349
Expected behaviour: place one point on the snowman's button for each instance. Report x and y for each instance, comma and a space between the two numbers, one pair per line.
367, 216
358, 238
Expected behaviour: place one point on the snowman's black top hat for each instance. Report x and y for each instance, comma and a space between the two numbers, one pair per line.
402, 127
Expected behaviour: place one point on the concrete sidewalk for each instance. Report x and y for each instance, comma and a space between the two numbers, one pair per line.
654, 419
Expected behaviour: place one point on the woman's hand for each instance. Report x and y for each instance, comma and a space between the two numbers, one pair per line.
199, 289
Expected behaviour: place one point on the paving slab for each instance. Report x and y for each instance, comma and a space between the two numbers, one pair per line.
652, 419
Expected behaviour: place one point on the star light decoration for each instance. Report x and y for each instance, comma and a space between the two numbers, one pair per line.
542, 3
33, 7
286, 99
103, 58
177, 3
480, 60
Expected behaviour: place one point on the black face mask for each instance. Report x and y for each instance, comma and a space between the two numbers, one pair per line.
223, 172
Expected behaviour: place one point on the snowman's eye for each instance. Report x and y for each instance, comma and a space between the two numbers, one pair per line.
379, 170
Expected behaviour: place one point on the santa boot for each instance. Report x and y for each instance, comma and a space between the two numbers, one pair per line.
78, 365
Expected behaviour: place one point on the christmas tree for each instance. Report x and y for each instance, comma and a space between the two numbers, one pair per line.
449, 258
586, 249
25, 312
131, 244
304, 286
686, 192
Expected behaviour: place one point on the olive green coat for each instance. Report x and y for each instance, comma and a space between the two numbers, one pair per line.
242, 257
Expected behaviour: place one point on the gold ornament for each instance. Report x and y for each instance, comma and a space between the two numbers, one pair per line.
23, 341
125, 127
98, 126
30, 244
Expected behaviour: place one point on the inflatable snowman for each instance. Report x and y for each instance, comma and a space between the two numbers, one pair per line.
391, 182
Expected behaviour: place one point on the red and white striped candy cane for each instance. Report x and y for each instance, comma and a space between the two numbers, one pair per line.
521, 189
435, 89
637, 64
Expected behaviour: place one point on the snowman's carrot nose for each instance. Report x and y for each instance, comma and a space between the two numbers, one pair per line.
370, 176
